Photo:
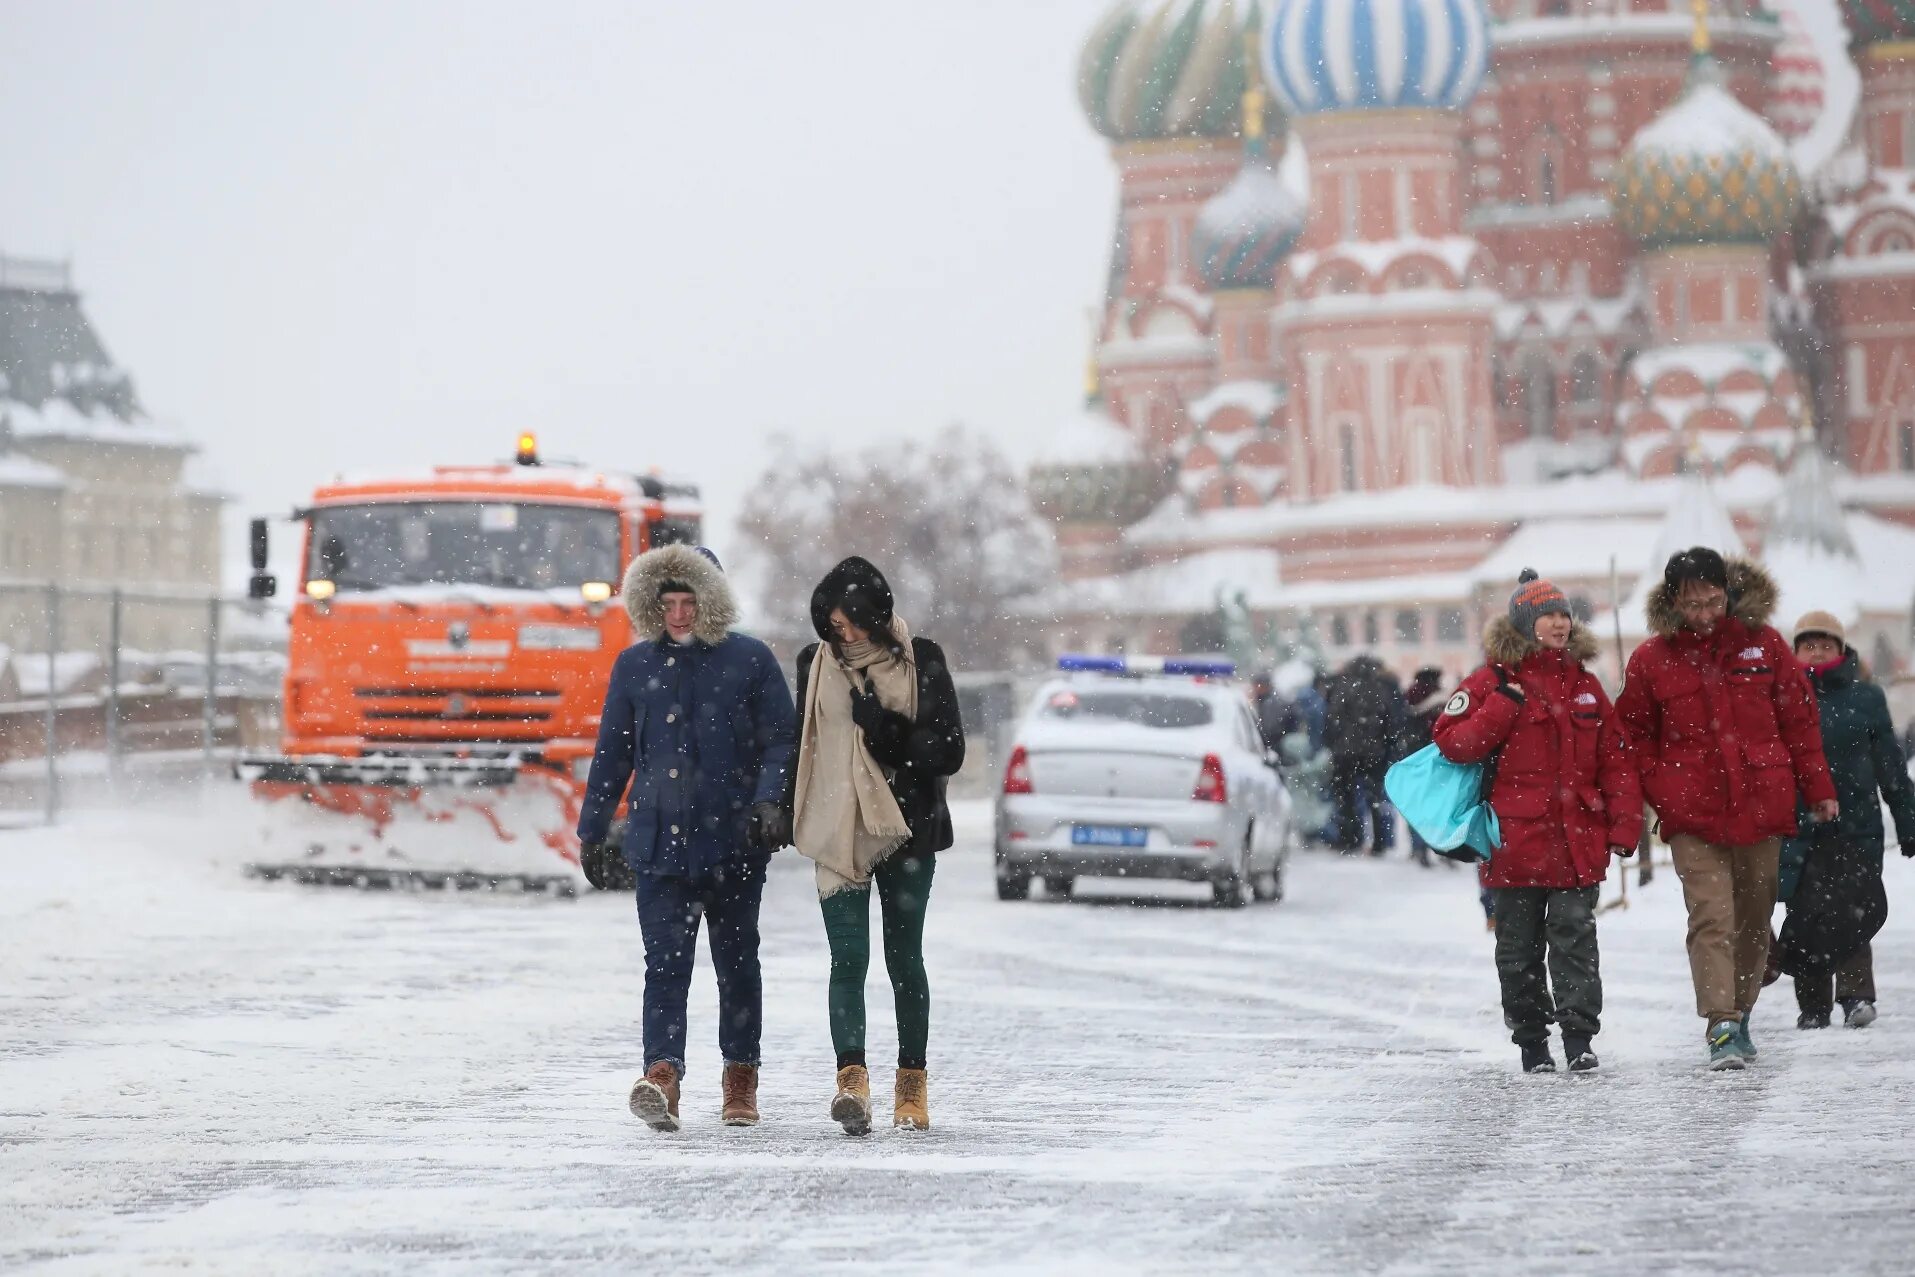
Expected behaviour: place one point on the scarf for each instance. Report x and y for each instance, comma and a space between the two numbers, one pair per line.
844, 815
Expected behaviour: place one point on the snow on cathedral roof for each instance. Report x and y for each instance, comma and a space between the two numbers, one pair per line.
1090, 438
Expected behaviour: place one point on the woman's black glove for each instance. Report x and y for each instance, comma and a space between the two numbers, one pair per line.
881, 726
766, 826
1510, 689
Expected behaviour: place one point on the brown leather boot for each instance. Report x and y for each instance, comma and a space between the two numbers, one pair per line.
741, 1095
655, 1097
912, 1108
851, 1107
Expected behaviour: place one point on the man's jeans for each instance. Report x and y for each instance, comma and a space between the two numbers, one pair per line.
669, 910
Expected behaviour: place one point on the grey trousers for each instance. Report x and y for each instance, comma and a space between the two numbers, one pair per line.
1553, 927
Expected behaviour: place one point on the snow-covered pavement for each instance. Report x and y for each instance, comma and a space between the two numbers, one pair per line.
199, 1073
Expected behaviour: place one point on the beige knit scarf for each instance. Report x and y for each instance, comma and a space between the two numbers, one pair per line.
845, 817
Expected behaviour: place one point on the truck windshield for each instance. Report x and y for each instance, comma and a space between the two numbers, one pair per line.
508, 545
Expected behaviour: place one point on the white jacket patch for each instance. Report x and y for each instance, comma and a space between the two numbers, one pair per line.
1459, 704
1752, 654
1587, 698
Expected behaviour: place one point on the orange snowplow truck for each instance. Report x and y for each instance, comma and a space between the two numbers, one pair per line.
451, 640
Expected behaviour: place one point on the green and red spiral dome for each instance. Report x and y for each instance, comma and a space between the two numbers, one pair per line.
1879, 21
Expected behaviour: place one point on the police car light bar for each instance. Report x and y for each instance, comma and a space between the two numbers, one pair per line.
1185, 666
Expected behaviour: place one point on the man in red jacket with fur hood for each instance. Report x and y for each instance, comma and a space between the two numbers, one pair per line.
1566, 798
1726, 732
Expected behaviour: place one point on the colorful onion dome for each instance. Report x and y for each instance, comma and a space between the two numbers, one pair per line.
1170, 69
1797, 90
1367, 55
1706, 171
1093, 470
1879, 21
1244, 232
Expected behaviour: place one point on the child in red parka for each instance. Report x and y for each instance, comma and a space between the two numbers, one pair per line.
1566, 796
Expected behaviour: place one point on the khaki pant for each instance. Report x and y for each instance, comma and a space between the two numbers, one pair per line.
1730, 892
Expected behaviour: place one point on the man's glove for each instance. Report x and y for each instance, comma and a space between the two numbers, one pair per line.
1617, 849
1506, 687
599, 861
1908, 849
766, 827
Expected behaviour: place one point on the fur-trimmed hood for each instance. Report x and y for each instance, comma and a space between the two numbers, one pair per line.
717, 608
1752, 599
1503, 644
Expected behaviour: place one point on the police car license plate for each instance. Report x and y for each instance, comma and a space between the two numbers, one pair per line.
1109, 835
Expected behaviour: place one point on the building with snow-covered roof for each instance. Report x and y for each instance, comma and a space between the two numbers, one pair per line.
1494, 284
93, 491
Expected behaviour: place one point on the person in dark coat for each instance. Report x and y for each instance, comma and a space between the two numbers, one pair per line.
1424, 700
1726, 734
1363, 726
1832, 879
698, 721
879, 734
1567, 799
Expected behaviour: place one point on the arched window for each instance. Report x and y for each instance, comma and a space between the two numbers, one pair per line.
1539, 396
1585, 381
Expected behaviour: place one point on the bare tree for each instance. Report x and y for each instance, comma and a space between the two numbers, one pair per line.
946, 521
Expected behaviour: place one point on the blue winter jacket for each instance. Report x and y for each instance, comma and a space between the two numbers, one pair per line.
700, 731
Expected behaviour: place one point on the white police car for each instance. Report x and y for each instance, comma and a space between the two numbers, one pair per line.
1142, 768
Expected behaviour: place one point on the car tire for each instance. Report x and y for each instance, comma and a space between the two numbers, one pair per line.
1059, 885
1234, 891
1013, 888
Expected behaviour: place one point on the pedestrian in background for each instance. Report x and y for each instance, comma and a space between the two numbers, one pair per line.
1566, 796
1832, 877
1363, 727
879, 734
1727, 737
1424, 702
699, 723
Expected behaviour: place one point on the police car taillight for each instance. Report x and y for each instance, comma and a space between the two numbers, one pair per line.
1017, 774
1211, 786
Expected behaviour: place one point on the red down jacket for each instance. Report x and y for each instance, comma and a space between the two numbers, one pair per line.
1725, 728
1565, 788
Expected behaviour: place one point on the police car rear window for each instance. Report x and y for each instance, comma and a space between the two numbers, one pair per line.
1145, 709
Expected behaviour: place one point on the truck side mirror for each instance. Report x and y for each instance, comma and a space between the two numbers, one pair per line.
263, 584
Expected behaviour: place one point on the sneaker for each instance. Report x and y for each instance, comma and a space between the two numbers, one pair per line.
1580, 1057
851, 1106
741, 1095
655, 1097
1812, 1020
1748, 1043
1536, 1057
1725, 1046
1858, 1014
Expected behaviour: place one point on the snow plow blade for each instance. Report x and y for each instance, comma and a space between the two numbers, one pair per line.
417, 822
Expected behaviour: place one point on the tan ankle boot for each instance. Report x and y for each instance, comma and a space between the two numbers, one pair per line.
851, 1107
912, 1109
741, 1095
655, 1097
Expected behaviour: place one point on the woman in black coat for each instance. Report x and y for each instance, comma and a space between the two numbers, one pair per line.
879, 733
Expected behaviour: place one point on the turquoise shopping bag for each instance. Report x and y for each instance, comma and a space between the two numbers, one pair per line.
1444, 802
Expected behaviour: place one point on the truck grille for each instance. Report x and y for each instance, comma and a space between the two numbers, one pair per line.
456, 706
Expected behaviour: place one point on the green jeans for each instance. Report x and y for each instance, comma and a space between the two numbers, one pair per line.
904, 889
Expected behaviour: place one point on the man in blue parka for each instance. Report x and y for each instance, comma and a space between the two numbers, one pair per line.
699, 722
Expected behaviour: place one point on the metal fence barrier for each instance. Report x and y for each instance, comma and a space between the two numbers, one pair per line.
101, 685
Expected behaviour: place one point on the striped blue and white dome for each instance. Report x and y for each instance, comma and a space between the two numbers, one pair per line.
1375, 55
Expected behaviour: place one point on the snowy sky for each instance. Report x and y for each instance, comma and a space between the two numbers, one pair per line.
327, 237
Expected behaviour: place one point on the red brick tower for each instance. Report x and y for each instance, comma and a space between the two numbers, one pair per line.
1865, 278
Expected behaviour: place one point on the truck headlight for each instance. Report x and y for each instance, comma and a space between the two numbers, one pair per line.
559, 638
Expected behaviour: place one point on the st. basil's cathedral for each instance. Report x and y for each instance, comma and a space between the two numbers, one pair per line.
1406, 295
